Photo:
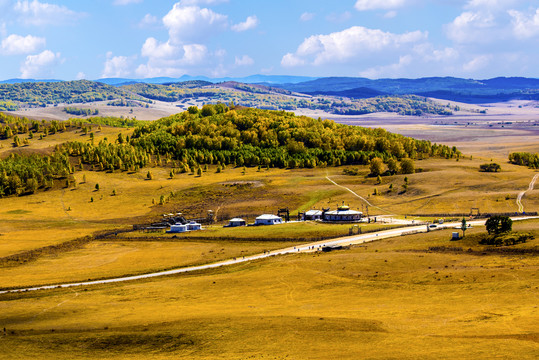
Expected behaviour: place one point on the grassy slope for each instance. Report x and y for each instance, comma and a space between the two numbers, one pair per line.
377, 302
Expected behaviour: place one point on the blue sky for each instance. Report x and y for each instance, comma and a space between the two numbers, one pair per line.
92, 39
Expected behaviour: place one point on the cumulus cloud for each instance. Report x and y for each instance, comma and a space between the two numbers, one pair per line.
250, 23
363, 5
117, 66
17, 44
80, 76
192, 23
291, 60
40, 65
347, 45
525, 26
153, 48
245, 60
126, 2
38, 14
471, 27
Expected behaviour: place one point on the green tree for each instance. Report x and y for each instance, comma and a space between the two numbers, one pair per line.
376, 166
463, 227
498, 224
149, 175
407, 166
97, 187
392, 166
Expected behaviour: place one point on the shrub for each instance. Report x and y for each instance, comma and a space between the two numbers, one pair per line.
491, 167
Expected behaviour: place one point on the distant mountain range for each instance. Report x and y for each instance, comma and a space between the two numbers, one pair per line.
448, 88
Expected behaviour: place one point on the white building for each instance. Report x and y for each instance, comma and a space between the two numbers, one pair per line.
181, 228
313, 215
268, 219
178, 228
236, 222
343, 213
192, 226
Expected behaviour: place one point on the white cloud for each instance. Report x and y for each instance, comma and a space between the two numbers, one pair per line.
363, 5
470, 27
148, 20
81, 76
117, 66
126, 2
38, 14
291, 60
393, 70
348, 45
245, 60
191, 23
3, 30
17, 44
525, 26
477, 63
152, 48
149, 71
250, 23
193, 54
40, 65
306, 16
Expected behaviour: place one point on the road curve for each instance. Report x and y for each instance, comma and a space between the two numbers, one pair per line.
522, 193
311, 247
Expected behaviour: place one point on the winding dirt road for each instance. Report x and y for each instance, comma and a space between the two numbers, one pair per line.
521, 194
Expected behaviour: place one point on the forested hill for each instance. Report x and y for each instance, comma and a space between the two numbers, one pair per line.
68, 92
213, 135
36, 94
250, 137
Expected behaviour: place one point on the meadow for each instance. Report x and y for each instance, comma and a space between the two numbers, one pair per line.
395, 298
416, 296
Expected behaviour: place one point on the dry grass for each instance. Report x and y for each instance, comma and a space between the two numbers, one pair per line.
378, 302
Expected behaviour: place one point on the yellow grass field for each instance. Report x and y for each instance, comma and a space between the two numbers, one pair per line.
390, 299
412, 297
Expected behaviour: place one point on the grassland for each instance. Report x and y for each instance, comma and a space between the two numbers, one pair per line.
398, 298
390, 299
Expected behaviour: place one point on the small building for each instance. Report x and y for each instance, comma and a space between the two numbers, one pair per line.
236, 222
268, 219
455, 236
313, 215
193, 226
177, 228
343, 213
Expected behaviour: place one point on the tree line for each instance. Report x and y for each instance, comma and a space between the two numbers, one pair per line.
525, 159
